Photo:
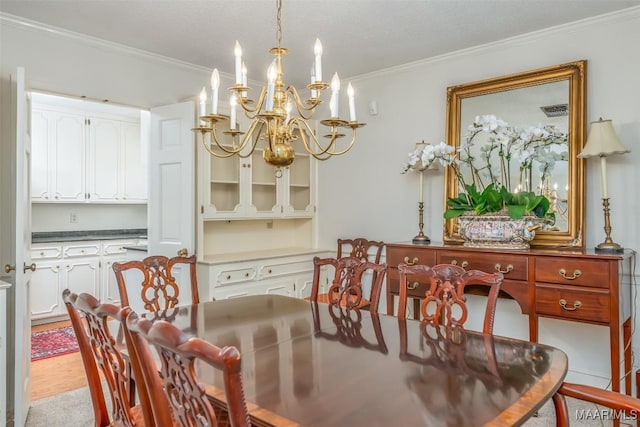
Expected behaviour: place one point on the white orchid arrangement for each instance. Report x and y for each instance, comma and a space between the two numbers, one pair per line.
489, 161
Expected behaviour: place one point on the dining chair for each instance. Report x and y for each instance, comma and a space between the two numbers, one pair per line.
103, 359
444, 301
346, 287
367, 250
620, 403
184, 396
158, 287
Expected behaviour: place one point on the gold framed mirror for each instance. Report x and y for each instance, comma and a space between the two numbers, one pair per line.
533, 99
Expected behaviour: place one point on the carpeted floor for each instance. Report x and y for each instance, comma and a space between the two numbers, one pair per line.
53, 342
73, 408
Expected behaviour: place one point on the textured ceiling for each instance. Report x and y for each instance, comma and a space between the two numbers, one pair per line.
358, 36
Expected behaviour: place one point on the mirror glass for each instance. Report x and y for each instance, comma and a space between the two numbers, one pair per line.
544, 106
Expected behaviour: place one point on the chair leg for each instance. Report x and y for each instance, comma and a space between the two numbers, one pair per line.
562, 412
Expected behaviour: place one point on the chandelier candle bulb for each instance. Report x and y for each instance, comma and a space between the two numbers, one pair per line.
352, 103
335, 90
237, 52
232, 119
244, 79
215, 84
317, 50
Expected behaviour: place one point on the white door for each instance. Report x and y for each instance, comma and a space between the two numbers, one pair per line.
172, 189
19, 253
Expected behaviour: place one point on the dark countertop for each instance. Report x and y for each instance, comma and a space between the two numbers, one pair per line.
75, 236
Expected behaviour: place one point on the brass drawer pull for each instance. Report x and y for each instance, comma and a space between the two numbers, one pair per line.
412, 286
507, 270
464, 264
576, 305
228, 277
414, 261
269, 271
246, 274
576, 274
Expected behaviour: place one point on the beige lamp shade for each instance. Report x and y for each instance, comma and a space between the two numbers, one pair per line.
602, 141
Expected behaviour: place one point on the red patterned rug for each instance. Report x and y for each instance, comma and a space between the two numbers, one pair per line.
54, 342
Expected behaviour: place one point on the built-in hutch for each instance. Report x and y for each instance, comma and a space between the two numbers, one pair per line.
255, 225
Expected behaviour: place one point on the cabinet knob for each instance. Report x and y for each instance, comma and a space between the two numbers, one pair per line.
576, 274
464, 264
31, 267
509, 268
246, 274
269, 271
41, 253
413, 261
8, 268
576, 305
57, 197
228, 277
412, 286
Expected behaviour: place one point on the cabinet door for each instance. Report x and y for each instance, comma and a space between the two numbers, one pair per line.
104, 159
262, 185
110, 291
134, 164
82, 275
42, 157
298, 186
68, 141
284, 287
220, 189
46, 289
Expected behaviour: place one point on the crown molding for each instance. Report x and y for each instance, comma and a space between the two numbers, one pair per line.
617, 16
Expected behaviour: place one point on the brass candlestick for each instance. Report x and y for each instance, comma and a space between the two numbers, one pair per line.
421, 238
608, 245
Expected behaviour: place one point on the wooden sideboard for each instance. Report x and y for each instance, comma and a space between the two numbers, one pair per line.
579, 286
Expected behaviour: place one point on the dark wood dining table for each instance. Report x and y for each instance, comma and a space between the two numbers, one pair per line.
310, 364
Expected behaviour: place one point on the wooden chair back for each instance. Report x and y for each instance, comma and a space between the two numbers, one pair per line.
444, 301
620, 403
366, 250
346, 287
178, 354
102, 358
158, 288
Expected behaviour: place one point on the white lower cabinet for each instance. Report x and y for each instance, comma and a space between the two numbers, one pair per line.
78, 266
290, 275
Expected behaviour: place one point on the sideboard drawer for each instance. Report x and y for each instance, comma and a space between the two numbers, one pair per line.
513, 267
423, 256
577, 272
240, 275
571, 302
414, 289
46, 252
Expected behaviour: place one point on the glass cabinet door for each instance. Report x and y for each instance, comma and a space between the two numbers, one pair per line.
224, 185
264, 196
299, 199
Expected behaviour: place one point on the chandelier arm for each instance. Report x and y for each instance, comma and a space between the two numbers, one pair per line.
314, 138
213, 153
249, 137
300, 105
333, 138
214, 139
244, 103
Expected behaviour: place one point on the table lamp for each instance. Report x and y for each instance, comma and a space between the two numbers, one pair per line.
602, 141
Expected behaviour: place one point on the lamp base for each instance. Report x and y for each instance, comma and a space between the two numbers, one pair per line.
609, 247
421, 239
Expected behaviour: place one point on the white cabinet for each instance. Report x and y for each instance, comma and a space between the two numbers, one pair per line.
288, 274
78, 266
234, 187
58, 155
82, 157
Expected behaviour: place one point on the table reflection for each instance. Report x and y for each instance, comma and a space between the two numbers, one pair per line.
322, 365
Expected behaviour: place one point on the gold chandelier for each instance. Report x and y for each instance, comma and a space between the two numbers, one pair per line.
280, 116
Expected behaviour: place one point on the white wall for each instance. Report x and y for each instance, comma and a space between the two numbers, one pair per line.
378, 202
374, 199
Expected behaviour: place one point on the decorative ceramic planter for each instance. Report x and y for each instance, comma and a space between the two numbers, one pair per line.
497, 231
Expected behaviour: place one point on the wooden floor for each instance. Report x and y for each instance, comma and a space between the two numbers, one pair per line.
56, 374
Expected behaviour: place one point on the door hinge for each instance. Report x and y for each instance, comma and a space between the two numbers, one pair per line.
201, 209
87, 122
99, 264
